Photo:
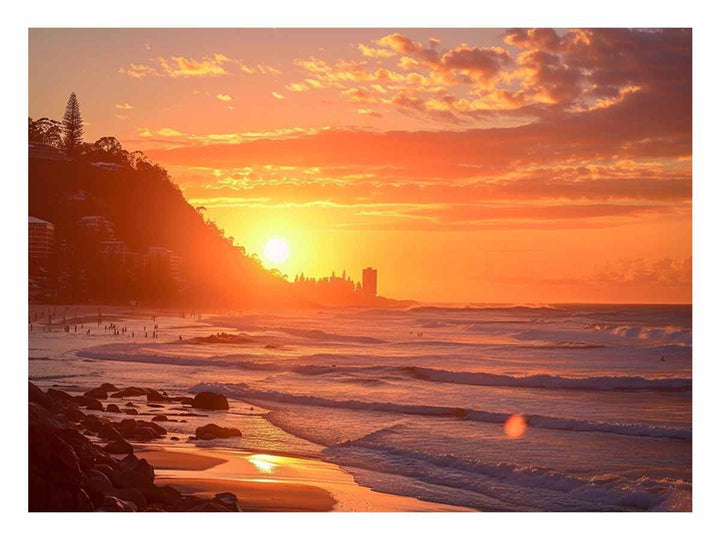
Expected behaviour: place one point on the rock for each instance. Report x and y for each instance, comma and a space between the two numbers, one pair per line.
126, 427
119, 447
130, 411
138, 473
213, 431
113, 504
55, 475
209, 506
144, 434
94, 405
132, 391
186, 401
98, 483
229, 500
92, 423
68, 408
160, 418
35, 395
97, 393
154, 395
129, 404
159, 431
156, 405
107, 387
131, 494
109, 433
58, 395
112, 408
174, 438
211, 401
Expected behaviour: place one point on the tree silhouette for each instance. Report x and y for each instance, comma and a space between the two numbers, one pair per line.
73, 126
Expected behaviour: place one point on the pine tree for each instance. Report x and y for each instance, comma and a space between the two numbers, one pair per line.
72, 126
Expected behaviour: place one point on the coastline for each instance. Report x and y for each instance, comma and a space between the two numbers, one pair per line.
121, 470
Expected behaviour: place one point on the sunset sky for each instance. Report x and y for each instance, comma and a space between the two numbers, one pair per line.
466, 165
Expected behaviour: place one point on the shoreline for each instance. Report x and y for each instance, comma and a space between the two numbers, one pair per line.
131, 463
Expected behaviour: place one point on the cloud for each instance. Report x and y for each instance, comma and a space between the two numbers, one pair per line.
124, 106
278, 95
169, 132
207, 66
224, 97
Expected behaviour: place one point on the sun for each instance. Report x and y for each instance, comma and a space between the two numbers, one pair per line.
277, 251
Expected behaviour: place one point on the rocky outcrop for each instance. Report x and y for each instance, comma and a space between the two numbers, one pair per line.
68, 472
210, 401
213, 431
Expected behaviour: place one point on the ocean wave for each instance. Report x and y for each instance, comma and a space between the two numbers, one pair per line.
509, 486
605, 383
244, 392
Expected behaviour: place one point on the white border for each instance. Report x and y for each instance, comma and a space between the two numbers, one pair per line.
372, 13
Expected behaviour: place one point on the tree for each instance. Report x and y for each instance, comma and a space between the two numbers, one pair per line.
73, 126
45, 131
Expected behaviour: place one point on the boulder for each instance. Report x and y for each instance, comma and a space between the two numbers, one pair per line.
132, 412
138, 473
228, 500
120, 446
113, 504
69, 409
107, 387
154, 395
58, 395
111, 407
126, 427
132, 391
97, 393
213, 431
109, 433
211, 401
160, 418
97, 483
35, 395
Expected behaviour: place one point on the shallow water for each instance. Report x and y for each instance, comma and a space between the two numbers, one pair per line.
413, 402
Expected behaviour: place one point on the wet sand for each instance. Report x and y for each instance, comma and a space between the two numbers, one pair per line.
273, 483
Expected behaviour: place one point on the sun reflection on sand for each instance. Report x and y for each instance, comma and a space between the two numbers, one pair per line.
264, 462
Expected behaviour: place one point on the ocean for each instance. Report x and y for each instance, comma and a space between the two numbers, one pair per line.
414, 402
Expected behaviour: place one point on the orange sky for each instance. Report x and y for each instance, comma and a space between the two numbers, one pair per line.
466, 165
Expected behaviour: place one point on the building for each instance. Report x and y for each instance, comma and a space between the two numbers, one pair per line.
100, 226
41, 238
369, 281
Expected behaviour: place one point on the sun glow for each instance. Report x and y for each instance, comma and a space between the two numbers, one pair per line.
277, 251
515, 426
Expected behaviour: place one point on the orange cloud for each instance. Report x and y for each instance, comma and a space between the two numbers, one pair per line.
224, 97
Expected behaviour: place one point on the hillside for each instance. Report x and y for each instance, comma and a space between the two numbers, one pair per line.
147, 210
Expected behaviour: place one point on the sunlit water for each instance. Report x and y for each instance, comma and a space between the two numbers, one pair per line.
415, 402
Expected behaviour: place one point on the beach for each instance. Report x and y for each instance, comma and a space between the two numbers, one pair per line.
381, 410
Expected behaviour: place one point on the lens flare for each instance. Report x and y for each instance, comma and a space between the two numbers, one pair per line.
515, 426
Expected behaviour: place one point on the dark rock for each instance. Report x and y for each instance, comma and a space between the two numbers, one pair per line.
156, 429
119, 447
210, 400
129, 404
126, 427
35, 395
209, 506
156, 405
213, 431
130, 411
132, 391
107, 387
97, 393
138, 473
160, 418
186, 401
109, 433
144, 434
228, 500
174, 438
98, 483
134, 495
58, 395
154, 395
111, 407
68, 408
113, 504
